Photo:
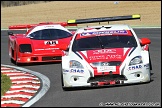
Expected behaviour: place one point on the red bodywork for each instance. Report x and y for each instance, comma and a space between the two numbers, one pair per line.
40, 51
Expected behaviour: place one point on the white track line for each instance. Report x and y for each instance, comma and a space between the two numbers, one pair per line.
21, 86
26, 81
21, 77
19, 74
17, 95
12, 101
10, 71
27, 91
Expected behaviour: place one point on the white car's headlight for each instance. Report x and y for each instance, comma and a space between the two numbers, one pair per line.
136, 60
75, 64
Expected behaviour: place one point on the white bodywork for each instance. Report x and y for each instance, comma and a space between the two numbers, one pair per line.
73, 77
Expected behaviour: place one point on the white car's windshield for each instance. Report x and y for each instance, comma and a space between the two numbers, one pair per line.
108, 41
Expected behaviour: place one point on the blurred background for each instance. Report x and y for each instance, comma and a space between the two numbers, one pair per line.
33, 12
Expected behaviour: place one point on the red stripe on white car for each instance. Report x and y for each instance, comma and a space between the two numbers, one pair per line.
146, 47
113, 54
126, 53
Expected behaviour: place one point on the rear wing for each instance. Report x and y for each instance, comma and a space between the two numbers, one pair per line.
28, 26
80, 21
104, 19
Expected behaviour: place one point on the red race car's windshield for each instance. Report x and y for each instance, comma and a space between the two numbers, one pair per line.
49, 34
103, 41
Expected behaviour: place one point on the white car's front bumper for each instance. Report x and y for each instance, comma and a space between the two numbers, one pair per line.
130, 74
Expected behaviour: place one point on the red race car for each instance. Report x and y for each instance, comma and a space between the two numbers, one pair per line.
40, 43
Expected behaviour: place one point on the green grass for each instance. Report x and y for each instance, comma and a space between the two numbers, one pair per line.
5, 83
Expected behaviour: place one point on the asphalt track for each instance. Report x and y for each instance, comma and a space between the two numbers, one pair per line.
149, 93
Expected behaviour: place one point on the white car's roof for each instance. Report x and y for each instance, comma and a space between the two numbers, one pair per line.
105, 27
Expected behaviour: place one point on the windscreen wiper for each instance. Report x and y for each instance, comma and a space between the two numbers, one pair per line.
100, 41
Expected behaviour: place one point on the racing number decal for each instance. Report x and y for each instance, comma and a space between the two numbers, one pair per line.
50, 42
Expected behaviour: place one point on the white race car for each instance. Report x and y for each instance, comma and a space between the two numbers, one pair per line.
105, 55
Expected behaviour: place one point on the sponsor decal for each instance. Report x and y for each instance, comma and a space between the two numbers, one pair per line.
76, 71
105, 64
135, 67
103, 51
66, 70
41, 49
105, 54
106, 68
50, 42
110, 32
147, 66
101, 57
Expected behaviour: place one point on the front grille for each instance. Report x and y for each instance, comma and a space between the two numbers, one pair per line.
34, 58
51, 58
114, 63
103, 78
110, 63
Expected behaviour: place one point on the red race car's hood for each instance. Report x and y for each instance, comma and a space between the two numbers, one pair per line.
48, 44
111, 54
43, 44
